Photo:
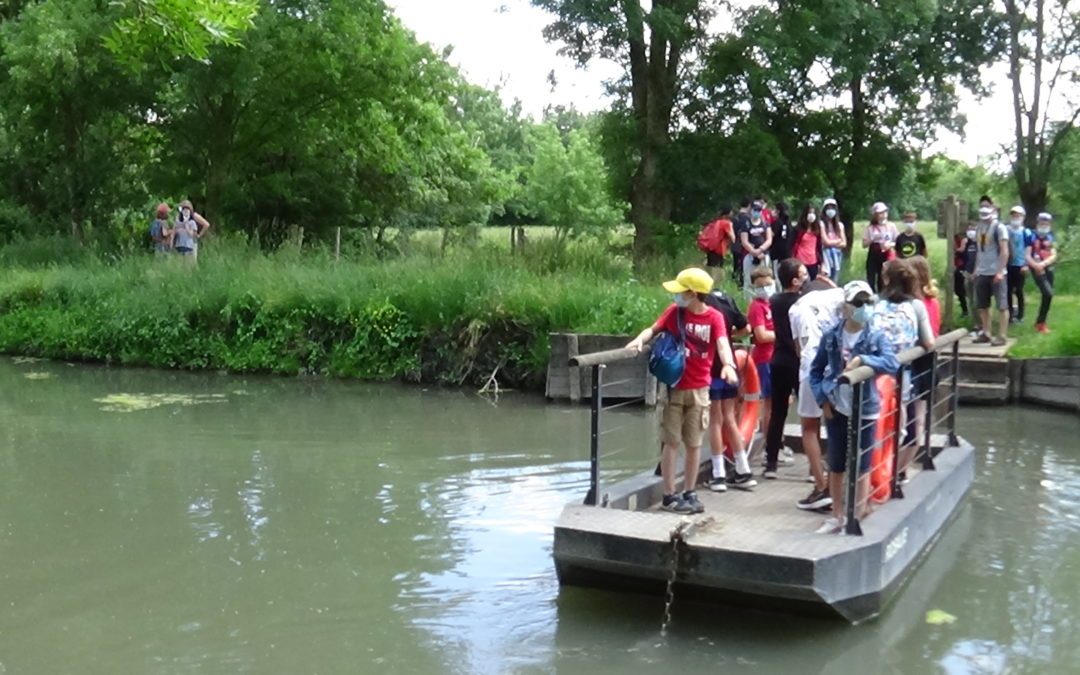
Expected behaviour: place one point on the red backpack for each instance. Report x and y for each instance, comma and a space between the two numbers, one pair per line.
708, 240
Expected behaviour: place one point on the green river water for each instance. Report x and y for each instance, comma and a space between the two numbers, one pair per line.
158, 522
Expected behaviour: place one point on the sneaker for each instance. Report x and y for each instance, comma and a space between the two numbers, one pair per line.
743, 481
692, 502
810, 478
815, 500
787, 455
998, 342
1042, 328
717, 484
903, 479
769, 473
982, 339
832, 525
675, 503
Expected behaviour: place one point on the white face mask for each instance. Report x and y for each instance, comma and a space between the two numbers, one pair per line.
1043, 229
971, 234
811, 217
185, 213
764, 292
1017, 223
909, 226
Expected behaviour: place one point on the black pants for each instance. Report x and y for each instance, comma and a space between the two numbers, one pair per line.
960, 289
812, 271
785, 379
736, 268
1015, 279
874, 263
1045, 283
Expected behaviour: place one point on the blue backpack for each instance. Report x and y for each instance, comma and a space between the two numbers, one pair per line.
668, 356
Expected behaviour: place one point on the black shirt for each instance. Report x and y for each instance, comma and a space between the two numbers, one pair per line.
734, 320
908, 245
781, 238
784, 353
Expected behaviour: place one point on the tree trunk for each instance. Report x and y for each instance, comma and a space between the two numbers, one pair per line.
853, 173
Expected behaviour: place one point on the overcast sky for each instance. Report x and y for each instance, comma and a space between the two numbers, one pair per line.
500, 42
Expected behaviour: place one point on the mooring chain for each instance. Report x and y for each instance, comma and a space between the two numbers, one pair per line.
677, 538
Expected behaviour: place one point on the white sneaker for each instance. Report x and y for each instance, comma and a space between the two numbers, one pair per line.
832, 525
786, 456
810, 478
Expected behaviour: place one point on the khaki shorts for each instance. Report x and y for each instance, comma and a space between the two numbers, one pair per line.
685, 417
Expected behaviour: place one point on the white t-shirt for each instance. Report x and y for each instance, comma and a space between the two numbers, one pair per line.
811, 317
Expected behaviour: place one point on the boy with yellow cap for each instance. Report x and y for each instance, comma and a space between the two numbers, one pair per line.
685, 416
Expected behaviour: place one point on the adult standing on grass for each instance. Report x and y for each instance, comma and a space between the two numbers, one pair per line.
685, 415
756, 239
910, 242
160, 232
879, 239
740, 223
1019, 240
196, 225
834, 241
781, 235
184, 232
809, 244
1041, 257
990, 262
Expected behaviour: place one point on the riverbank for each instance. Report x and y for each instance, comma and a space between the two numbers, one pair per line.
455, 318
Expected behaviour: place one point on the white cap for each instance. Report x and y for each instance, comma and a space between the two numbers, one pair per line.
1045, 216
1018, 209
853, 289
986, 212
879, 207
830, 202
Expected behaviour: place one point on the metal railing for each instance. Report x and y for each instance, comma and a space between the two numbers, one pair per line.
597, 362
909, 423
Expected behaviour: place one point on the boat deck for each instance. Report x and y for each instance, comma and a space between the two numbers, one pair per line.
755, 544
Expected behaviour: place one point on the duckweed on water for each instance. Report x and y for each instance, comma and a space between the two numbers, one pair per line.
37, 376
939, 617
134, 402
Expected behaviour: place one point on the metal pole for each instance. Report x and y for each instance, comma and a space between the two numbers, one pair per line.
594, 442
852, 479
927, 458
954, 395
895, 491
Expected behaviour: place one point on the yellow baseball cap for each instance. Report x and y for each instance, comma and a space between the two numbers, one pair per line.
692, 279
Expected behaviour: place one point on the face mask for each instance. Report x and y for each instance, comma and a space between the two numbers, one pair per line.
186, 214
861, 315
681, 301
971, 234
811, 217
1043, 230
1017, 223
755, 215
909, 226
830, 213
763, 292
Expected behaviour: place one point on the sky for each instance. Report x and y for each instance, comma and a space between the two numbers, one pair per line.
499, 43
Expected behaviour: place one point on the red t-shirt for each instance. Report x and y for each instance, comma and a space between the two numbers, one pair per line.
933, 310
806, 247
725, 233
702, 331
760, 314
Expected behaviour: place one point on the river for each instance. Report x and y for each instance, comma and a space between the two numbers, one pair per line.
182, 522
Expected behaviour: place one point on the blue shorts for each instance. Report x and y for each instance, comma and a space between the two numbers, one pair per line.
722, 391
764, 373
836, 455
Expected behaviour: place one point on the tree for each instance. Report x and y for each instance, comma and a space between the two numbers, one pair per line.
567, 185
651, 45
847, 89
177, 28
1043, 42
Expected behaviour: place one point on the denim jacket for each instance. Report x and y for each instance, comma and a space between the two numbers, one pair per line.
872, 349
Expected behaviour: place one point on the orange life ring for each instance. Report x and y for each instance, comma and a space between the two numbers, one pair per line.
881, 460
748, 403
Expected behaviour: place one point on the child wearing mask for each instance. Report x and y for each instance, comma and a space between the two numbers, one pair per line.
910, 242
1015, 272
1041, 256
834, 241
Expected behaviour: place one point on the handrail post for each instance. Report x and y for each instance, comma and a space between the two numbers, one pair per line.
895, 491
594, 441
927, 457
954, 395
852, 479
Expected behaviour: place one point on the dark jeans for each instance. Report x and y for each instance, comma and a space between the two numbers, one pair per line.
960, 288
874, 263
836, 453
785, 380
736, 268
1045, 283
1015, 278
812, 271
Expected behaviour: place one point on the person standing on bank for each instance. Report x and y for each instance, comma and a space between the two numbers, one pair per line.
195, 224
910, 242
809, 245
1020, 239
834, 241
756, 239
781, 236
880, 238
160, 232
715, 239
1041, 257
784, 365
990, 262
685, 415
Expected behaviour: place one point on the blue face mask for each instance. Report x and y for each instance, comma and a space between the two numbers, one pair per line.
861, 315
755, 215
681, 300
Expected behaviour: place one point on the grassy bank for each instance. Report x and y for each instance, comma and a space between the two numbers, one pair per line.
453, 318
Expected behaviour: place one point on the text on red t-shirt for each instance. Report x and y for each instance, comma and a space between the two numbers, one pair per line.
702, 331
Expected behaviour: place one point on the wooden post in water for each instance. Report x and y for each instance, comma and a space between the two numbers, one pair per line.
949, 216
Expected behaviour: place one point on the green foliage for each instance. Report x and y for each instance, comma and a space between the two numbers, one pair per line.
567, 184
157, 29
